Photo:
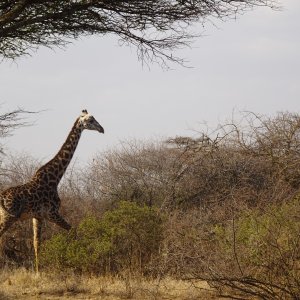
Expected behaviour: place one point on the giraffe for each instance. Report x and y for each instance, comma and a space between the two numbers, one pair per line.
38, 198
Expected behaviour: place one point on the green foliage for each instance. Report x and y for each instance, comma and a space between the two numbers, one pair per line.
272, 235
54, 252
126, 237
264, 244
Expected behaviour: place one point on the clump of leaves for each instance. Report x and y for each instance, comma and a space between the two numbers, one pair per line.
125, 238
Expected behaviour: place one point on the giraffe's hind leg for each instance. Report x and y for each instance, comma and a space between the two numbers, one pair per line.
6, 223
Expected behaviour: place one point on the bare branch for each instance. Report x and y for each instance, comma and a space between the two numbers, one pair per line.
12, 120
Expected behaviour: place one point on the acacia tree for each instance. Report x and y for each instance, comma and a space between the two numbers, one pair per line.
9, 121
155, 27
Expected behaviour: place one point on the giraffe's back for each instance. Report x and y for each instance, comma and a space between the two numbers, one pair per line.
25, 201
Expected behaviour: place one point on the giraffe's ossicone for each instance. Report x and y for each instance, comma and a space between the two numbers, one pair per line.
38, 198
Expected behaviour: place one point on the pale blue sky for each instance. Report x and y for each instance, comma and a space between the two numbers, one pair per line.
252, 63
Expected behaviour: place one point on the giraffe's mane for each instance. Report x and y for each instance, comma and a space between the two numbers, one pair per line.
64, 144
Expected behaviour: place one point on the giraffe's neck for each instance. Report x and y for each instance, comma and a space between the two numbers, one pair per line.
52, 172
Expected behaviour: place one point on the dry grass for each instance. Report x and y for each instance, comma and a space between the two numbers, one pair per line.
24, 284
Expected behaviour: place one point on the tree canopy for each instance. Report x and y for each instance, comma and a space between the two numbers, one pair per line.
155, 27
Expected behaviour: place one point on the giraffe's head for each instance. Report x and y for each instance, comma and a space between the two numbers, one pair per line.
87, 121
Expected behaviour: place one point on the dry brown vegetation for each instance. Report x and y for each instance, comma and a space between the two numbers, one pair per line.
24, 284
222, 208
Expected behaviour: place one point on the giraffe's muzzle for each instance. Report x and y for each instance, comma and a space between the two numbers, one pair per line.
100, 129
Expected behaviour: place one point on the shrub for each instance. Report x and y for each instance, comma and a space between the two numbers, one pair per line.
125, 238
260, 251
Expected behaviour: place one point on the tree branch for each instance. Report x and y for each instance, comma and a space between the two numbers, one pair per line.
154, 27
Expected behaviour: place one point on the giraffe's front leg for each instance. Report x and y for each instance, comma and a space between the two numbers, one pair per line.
37, 230
59, 220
